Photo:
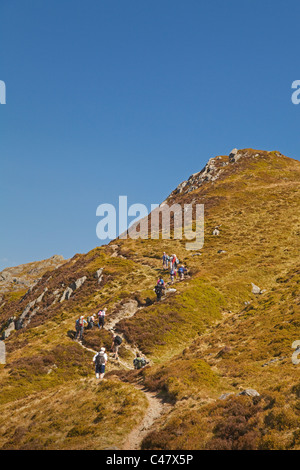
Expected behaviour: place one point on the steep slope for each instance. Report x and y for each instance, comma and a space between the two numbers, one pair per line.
210, 337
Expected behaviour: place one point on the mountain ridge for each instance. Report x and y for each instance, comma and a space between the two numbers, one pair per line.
212, 337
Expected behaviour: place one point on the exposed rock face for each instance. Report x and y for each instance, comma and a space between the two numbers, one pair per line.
29, 311
10, 328
213, 169
72, 287
234, 156
98, 275
209, 173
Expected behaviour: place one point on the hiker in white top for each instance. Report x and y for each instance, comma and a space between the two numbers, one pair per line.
100, 360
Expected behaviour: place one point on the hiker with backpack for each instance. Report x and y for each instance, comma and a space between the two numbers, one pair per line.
172, 275
100, 360
159, 291
172, 261
161, 282
139, 362
91, 322
181, 271
79, 326
165, 260
101, 318
117, 340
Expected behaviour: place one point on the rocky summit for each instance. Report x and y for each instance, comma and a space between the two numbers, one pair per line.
218, 345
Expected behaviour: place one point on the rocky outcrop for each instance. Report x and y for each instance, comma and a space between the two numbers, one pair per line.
99, 275
213, 170
234, 156
9, 328
72, 287
29, 311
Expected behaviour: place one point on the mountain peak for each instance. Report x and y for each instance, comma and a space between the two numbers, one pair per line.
217, 165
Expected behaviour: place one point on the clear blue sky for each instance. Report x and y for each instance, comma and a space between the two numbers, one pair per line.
129, 97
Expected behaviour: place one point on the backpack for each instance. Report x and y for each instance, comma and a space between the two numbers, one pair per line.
139, 362
100, 359
158, 289
118, 340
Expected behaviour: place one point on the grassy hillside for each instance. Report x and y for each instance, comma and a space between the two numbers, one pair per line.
210, 337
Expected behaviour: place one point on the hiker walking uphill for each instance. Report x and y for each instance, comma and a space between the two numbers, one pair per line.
79, 326
139, 362
117, 340
91, 322
101, 318
166, 260
100, 360
172, 275
161, 282
173, 262
159, 291
182, 271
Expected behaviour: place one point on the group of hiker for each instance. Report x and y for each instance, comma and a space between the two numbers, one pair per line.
175, 269
172, 263
100, 358
90, 323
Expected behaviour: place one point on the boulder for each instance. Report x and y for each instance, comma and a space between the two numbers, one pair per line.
250, 392
76, 284
11, 327
257, 290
